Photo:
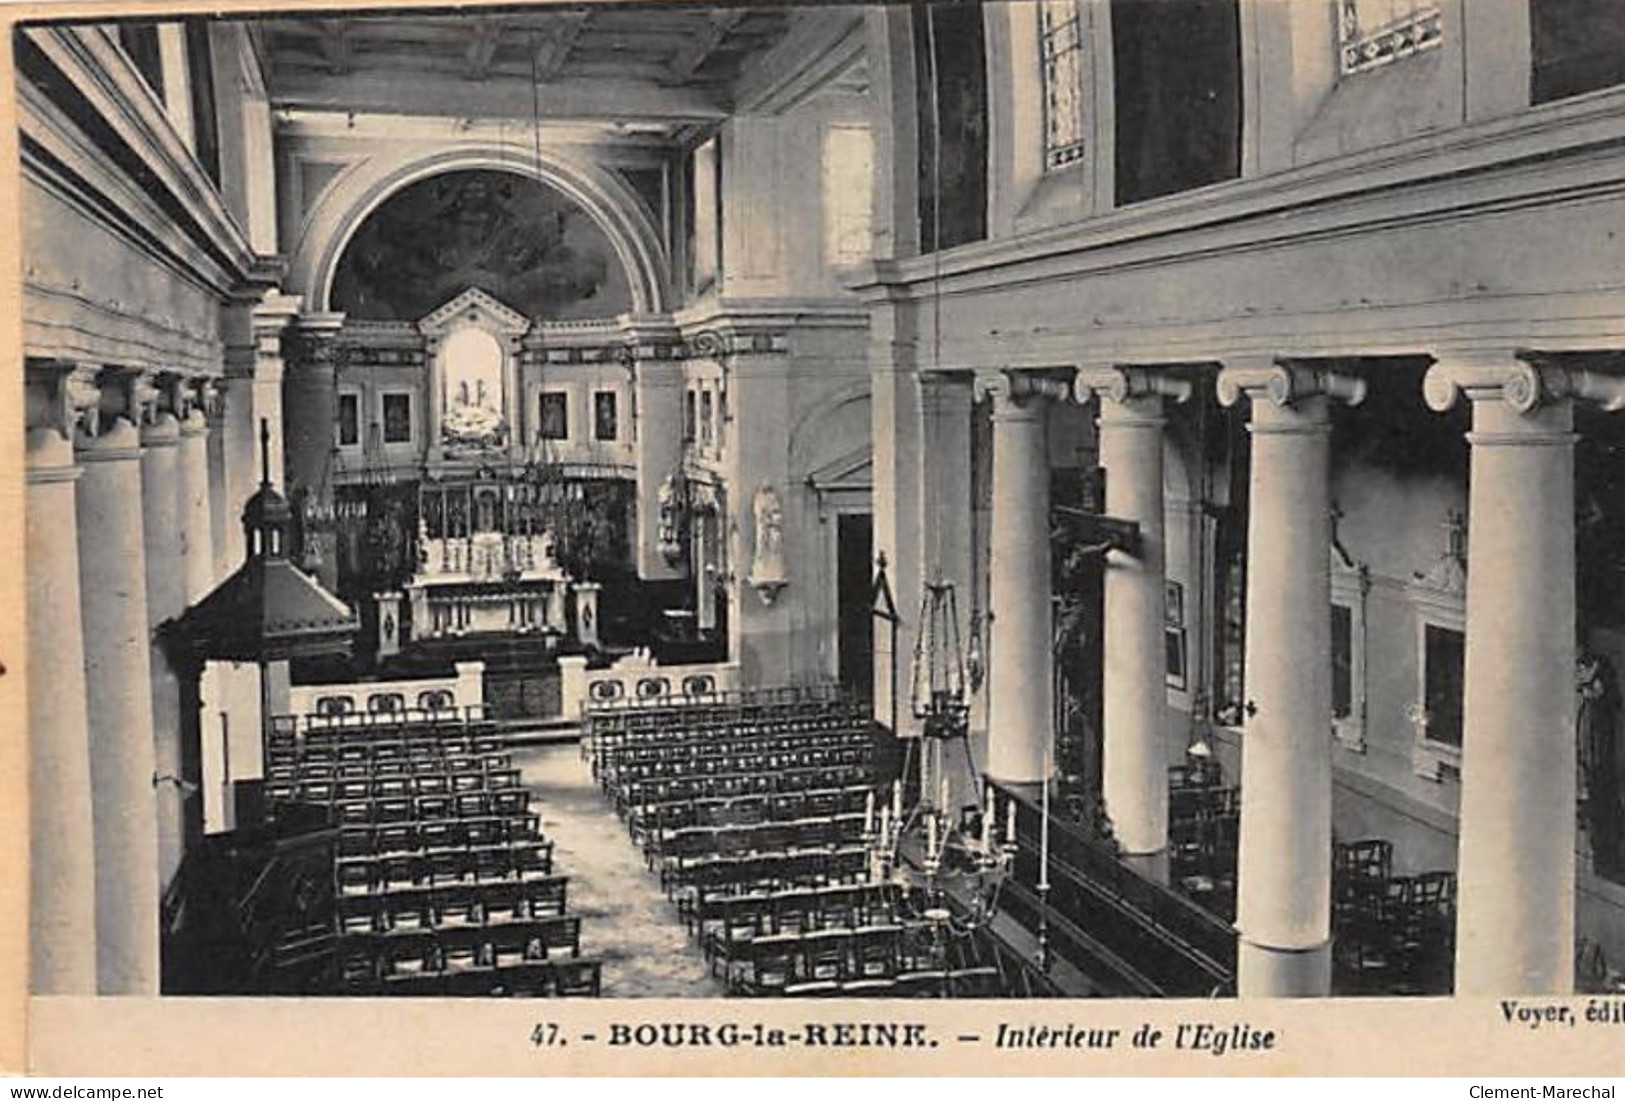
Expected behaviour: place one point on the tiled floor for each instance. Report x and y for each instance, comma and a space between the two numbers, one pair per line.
625, 918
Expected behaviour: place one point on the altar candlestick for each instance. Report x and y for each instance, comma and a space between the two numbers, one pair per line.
897, 800
931, 838
1043, 832
1010, 822
869, 813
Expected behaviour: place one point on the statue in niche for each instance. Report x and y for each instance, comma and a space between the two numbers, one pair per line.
767, 571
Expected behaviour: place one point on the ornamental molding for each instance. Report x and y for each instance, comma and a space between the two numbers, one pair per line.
474, 307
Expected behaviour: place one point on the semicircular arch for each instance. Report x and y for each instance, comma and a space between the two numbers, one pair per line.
361, 189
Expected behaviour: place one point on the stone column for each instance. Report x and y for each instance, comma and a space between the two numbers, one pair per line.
62, 876
1135, 758
166, 598
192, 483
657, 426
310, 413
112, 569
1284, 873
1515, 908
1020, 650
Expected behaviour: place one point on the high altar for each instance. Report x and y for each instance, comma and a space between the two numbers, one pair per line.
482, 566
488, 510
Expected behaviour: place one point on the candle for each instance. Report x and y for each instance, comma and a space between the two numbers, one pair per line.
869, 813
942, 789
885, 824
897, 800
1043, 833
931, 838
1010, 822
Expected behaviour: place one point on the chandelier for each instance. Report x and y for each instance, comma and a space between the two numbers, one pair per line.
951, 864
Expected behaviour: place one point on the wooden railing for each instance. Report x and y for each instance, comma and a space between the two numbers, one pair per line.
1134, 935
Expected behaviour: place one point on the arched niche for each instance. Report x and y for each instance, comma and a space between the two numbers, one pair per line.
361, 188
516, 238
473, 349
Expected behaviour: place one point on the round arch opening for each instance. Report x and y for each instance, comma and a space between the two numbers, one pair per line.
515, 237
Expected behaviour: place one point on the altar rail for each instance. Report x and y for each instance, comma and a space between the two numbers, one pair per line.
636, 681
392, 701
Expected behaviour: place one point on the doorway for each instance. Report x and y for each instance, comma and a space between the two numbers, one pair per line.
854, 638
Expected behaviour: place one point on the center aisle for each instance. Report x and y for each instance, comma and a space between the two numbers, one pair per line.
626, 920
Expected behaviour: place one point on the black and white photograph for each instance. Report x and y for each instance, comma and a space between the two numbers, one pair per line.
986, 501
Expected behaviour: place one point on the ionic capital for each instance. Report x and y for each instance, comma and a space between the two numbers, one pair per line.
1011, 386
1522, 385
1119, 384
1284, 384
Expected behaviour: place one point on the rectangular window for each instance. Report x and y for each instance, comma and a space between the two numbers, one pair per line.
139, 41
349, 427
1342, 661
1060, 48
554, 415
605, 417
691, 426
1577, 46
397, 418
1372, 33
848, 171
200, 69
707, 427
1177, 89
1443, 663
705, 220
950, 76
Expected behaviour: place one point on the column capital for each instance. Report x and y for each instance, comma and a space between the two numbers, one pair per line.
1285, 383
61, 395
1010, 385
1522, 382
1120, 384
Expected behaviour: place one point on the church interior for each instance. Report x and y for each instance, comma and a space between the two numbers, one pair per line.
985, 498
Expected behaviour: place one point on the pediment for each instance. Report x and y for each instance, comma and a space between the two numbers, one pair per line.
852, 471
475, 307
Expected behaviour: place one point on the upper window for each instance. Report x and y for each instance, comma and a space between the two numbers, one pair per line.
1060, 47
398, 418
1176, 74
206, 127
554, 415
349, 427
1371, 33
950, 75
1576, 45
605, 417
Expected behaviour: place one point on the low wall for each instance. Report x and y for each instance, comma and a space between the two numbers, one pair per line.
638, 679
460, 692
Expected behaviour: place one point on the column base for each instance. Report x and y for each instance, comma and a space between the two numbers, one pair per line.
1153, 866
1266, 972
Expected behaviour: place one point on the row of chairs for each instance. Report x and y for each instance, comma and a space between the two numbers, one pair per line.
733, 764
737, 913
411, 768
445, 906
367, 874
637, 793
465, 976
364, 839
824, 831
891, 961
652, 818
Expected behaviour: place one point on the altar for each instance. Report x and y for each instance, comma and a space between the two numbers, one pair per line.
487, 582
